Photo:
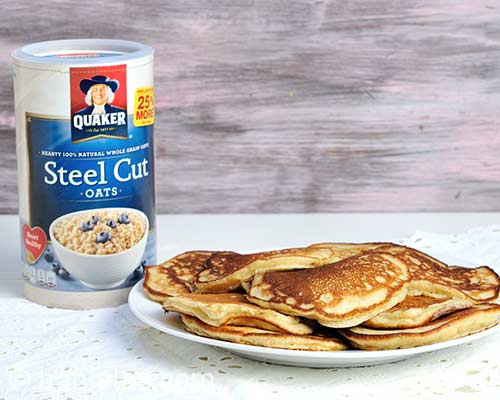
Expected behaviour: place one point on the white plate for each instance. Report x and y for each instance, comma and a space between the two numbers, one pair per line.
152, 314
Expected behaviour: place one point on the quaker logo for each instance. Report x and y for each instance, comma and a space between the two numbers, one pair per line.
98, 103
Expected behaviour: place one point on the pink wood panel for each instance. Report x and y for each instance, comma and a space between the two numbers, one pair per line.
301, 106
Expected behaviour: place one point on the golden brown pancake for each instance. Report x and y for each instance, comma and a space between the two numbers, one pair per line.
416, 311
260, 337
342, 294
234, 309
459, 324
175, 276
226, 272
431, 277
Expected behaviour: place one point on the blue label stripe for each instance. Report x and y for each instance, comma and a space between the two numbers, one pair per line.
62, 181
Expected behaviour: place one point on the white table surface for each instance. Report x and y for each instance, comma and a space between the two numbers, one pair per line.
177, 233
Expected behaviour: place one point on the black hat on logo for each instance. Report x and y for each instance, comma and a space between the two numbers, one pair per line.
86, 84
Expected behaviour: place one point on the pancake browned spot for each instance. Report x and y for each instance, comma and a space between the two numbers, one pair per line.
227, 272
459, 324
234, 309
260, 337
431, 277
175, 276
342, 294
416, 311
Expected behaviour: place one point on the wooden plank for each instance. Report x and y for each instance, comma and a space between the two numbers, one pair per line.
301, 106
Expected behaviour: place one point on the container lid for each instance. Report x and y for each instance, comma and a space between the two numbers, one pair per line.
82, 52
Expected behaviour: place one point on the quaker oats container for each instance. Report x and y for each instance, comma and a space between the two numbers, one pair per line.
85, 150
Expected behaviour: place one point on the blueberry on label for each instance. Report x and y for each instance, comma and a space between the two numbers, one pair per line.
124, 219
111, 223
63, 274
49, 256
87, 226
103, 237
56, 267
138, 273
95, 219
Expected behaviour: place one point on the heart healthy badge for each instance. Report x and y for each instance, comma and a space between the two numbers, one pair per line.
35, 241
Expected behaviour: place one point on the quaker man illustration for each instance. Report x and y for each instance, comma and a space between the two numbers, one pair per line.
99, 94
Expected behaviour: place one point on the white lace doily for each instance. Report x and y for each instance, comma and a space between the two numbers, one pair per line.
108, 354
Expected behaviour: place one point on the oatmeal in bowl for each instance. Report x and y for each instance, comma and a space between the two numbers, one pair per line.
101, 232
100, 247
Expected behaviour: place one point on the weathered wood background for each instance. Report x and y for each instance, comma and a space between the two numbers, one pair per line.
300, 106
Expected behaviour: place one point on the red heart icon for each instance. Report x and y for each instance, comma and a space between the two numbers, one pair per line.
35, 241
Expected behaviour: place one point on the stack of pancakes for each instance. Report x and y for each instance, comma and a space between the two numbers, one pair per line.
327, 296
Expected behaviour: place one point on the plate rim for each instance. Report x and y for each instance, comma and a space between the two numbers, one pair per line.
351, 354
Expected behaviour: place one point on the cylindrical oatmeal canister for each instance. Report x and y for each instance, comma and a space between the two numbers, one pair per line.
84, 129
